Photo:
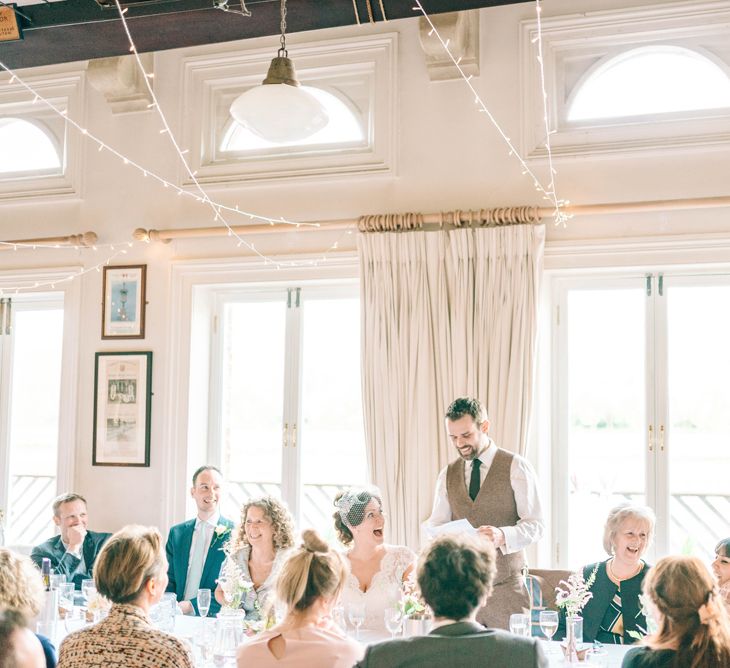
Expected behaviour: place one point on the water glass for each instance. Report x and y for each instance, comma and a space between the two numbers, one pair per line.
519, 624
203, 602
393, 617
88, 590
338, 617
356, 614
228, 636
597, 656
57, 579
204, 641
66, 593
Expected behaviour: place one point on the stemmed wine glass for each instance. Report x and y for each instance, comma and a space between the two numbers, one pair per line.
548, 623
203, 602
393, 617
356, 613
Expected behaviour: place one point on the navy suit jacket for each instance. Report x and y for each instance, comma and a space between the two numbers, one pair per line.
66, 563
179, 541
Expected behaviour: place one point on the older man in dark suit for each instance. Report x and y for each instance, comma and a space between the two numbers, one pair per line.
195, 548
455, 576
74, 552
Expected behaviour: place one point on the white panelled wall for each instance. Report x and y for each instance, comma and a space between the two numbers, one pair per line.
447, 157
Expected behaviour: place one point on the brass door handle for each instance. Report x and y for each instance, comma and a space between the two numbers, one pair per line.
651, 438
284, 434
661, 438
294, 436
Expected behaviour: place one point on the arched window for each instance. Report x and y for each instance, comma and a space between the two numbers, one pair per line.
344, 128
650, 80
27, 148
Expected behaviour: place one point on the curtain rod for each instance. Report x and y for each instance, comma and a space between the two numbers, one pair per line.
84, 240
408, 221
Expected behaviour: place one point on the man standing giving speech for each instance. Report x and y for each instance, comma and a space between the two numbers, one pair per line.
496, 491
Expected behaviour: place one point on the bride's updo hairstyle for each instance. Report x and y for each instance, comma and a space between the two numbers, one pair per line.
350, 511
310, 572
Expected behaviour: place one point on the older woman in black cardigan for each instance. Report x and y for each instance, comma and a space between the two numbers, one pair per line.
614, 614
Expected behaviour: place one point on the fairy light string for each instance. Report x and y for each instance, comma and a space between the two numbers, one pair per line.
548, 192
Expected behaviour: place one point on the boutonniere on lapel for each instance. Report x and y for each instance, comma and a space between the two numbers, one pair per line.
220, 532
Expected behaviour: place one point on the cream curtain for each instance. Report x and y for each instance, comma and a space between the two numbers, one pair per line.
445, 314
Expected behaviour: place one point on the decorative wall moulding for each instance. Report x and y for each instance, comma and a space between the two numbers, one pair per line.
121, 82
462, 31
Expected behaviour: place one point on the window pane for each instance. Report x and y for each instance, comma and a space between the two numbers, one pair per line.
332, 438
699, 418
606, 412
34, 410
343, 127
651, 80
25, 147
252, 399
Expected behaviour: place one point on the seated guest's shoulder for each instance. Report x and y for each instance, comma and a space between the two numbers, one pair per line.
645, 657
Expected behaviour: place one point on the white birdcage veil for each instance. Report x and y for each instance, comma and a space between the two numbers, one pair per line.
351, 505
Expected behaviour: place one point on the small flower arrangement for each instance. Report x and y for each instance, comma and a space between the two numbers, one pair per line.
411, 603
576, 593
234, 584
97, 606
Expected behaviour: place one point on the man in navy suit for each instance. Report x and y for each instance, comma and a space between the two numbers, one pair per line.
195, 548
74, 552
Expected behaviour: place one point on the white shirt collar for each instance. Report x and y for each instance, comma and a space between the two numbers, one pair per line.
487, 457
212, 520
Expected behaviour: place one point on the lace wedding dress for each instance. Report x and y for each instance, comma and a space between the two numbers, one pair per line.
385, 588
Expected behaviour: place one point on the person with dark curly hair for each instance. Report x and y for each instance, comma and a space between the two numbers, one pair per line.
378, 571
308, 587
693, 625
455, 576
255, 553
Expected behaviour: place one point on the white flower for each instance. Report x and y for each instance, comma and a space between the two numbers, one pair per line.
221, 530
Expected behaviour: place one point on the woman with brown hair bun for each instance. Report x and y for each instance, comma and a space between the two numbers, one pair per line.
694, 629
308, 586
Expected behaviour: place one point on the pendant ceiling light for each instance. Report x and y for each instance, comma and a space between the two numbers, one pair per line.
280, 110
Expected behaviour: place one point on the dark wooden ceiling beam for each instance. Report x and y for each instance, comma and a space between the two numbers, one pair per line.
74, 30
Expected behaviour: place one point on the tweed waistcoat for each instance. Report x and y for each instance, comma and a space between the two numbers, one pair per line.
494, 505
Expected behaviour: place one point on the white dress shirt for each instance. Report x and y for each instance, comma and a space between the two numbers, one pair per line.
203, 531
529, 527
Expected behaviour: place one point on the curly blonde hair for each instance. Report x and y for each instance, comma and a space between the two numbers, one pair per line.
21, 584
279, 516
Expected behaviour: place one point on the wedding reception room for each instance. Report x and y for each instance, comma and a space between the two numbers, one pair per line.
353, 310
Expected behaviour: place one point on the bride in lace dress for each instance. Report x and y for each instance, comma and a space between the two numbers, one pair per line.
377, 571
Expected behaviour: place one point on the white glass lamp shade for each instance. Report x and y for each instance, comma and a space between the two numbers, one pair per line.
279, 112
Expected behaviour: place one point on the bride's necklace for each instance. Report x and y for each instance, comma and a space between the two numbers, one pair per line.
618, 579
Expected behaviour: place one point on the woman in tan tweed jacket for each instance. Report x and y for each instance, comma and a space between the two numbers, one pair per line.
131, 571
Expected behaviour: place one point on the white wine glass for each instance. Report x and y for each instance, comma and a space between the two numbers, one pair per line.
393, 617
519, 624
203, 602
356, 614
548, 623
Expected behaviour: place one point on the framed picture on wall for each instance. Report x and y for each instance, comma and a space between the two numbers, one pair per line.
122, 402
123, 302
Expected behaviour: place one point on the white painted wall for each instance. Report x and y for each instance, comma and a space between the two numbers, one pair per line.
449, 157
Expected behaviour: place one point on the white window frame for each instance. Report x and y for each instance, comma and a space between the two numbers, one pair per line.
362, 70
574, 45
553, 382
67, 419
193, 286
65, 91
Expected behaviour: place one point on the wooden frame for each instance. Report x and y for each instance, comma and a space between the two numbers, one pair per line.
124, 300
122, 407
